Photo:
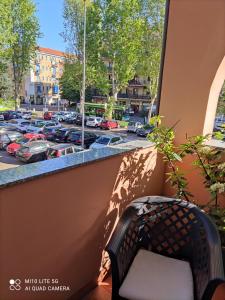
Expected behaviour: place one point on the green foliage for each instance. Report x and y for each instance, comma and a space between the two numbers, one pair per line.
123, 124
163, 138
6, 29
114, 35
25, 31
150, 55
6, 104
221, 102
207, 159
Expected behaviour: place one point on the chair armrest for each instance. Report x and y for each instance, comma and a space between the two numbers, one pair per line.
123, 247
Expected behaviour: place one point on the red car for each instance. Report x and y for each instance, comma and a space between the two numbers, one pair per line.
28, 137
105, 124
48, 115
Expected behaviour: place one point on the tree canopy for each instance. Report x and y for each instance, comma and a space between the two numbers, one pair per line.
124, 37
18, 34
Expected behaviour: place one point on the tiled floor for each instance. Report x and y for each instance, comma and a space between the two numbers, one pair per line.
102, 292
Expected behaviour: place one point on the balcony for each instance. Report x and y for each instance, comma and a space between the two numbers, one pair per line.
58, 215
54, 64
131, 96
136, 82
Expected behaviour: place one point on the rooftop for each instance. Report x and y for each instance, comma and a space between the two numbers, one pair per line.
51, 51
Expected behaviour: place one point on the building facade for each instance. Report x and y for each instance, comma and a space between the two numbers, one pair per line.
135, 96
41, 85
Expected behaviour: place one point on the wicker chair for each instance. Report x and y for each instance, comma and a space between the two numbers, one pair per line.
172, 228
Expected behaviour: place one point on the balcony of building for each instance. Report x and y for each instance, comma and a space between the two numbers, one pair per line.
136, 82
58, 215
134, 96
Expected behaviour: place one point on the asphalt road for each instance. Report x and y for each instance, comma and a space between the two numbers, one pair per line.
7, 161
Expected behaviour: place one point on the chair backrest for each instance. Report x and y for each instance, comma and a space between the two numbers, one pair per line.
180, 230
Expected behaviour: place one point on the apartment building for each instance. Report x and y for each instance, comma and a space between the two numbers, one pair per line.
135, 96
41, 85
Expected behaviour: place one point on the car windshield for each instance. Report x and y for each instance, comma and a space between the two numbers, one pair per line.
91, 119
74, 135
22, 140
103, 140
60, 132
131, 123
38, 124
52, 153
48, 130
24, 149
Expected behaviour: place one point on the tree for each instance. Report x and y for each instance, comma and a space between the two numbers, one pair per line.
6, 38
6, 33
25, 29
122, 31
114, 35
221, 102
73, 36
6, 84
149, 63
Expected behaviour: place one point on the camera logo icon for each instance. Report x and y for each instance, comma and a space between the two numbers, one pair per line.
15, 284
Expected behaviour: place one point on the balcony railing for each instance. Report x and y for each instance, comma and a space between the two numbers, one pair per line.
135, 82
126, 96
131, 96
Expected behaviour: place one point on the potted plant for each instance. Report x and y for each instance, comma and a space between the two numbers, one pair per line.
207, 159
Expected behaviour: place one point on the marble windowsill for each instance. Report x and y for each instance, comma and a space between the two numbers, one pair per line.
43, 168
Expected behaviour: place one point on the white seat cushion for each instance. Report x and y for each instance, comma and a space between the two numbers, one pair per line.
155, 277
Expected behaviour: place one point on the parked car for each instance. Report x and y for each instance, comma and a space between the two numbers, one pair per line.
75, 138
78, 120
48, 115
106, 124
61, 134
33, 151
11, 114
107, 140
27, 138
8, 137
61, 116
145, 130
49, 132
5, 124
2, 117
38, 126
27, 115
20, 124
94, 121
133, 126
62, 150
71, 117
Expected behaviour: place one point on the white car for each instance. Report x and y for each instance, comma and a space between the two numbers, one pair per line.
94, 121
106, 141
133, 126
38, 126
27, 115
19, 124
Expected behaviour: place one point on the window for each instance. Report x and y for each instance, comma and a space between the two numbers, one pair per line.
69, 150
114, 140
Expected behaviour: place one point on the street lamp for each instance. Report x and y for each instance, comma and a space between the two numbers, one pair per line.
84, 76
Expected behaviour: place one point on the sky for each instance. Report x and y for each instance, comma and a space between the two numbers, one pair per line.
49, 13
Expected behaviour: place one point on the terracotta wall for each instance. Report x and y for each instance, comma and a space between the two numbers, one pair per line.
195, 50
58, 225
193, 74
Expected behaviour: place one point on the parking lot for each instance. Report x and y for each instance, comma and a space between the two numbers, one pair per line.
7, 161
